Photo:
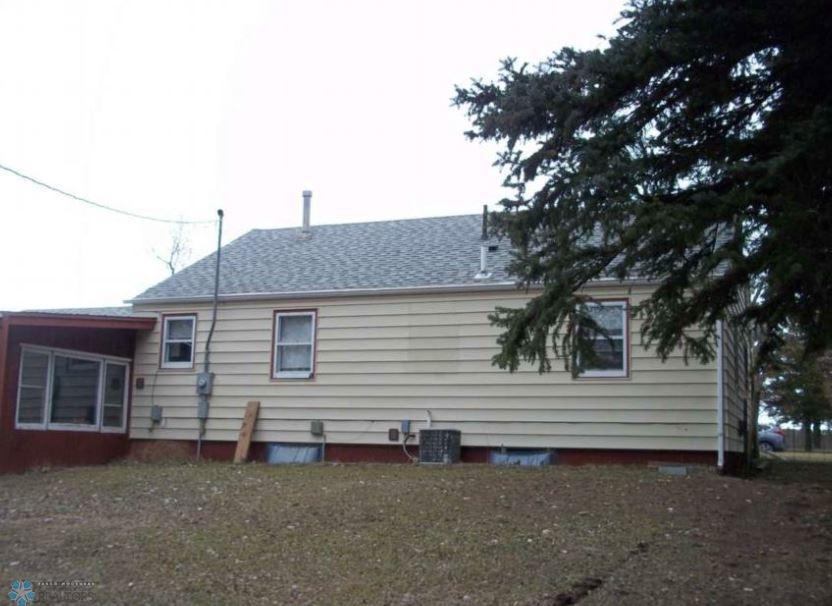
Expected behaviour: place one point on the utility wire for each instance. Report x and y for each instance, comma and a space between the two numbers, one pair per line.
102, 206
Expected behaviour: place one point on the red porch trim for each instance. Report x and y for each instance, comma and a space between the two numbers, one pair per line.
4, 346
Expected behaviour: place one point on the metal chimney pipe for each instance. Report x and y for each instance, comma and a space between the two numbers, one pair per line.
484, 274
307, 209
484, 235
484, 242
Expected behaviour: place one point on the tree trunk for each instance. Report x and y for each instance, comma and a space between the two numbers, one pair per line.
817, 435
807, 435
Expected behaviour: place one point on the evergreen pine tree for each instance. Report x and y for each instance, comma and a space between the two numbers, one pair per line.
694, 150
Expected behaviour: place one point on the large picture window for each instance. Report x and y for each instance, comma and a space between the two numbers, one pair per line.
294, 345
60, 389
178, 337
611, 350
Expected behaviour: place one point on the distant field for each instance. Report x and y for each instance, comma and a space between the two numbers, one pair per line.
403, 535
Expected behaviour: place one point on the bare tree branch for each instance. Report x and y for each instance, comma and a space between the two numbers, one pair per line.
178, 253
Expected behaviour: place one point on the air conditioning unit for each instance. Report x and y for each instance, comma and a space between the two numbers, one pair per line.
439, 446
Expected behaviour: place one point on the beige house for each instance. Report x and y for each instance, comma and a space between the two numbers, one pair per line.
344, 332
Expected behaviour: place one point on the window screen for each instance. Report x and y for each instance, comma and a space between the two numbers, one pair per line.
610, 349
294, 344
115, 391
34, 371
75, 390
178, 342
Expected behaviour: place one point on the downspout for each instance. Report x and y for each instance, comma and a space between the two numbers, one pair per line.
720, 399
205, 379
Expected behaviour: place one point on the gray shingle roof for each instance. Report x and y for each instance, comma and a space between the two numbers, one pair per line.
442, 251
121, 311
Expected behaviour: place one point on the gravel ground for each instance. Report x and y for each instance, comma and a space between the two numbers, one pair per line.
405, 535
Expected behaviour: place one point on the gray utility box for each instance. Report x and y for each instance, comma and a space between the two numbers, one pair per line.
439, 446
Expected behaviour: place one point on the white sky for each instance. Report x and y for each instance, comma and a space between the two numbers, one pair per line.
176, 109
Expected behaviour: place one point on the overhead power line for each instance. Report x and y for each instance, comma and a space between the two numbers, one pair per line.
99, 205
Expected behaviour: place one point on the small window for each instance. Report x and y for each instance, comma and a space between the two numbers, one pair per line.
178, 335
611, 349
294, 355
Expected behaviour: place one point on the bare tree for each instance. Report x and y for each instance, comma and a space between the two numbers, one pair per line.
178, 252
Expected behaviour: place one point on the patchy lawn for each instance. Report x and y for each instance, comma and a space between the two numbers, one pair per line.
389, 534
822, 456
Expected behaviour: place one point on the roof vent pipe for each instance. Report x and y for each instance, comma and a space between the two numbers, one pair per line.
484, 274
307, 208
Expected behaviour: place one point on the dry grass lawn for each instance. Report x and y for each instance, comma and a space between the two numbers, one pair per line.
390, 534
823, 456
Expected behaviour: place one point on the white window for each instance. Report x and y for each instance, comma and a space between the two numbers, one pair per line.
178, 336
31, 387
59, 389
114, 396
611, 350
75, 386
294, 344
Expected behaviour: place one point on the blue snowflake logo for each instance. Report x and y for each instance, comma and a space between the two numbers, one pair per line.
22, 593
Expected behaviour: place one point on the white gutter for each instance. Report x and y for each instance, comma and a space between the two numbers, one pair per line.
350, 292
342, 292
720, 399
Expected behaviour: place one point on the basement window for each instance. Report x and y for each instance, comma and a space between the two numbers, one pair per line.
67, 390
612, 349
178, 337
294, 344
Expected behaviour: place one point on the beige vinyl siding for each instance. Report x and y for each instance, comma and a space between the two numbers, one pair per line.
735, 387
383, 359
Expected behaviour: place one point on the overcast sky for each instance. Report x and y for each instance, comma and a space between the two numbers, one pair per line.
176, 109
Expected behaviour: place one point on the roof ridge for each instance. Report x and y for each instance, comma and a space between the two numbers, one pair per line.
373, 222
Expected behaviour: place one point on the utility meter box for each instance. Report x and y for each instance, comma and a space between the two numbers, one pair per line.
156, 413
204, 383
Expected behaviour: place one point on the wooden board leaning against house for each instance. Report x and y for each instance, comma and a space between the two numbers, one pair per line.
246, 431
